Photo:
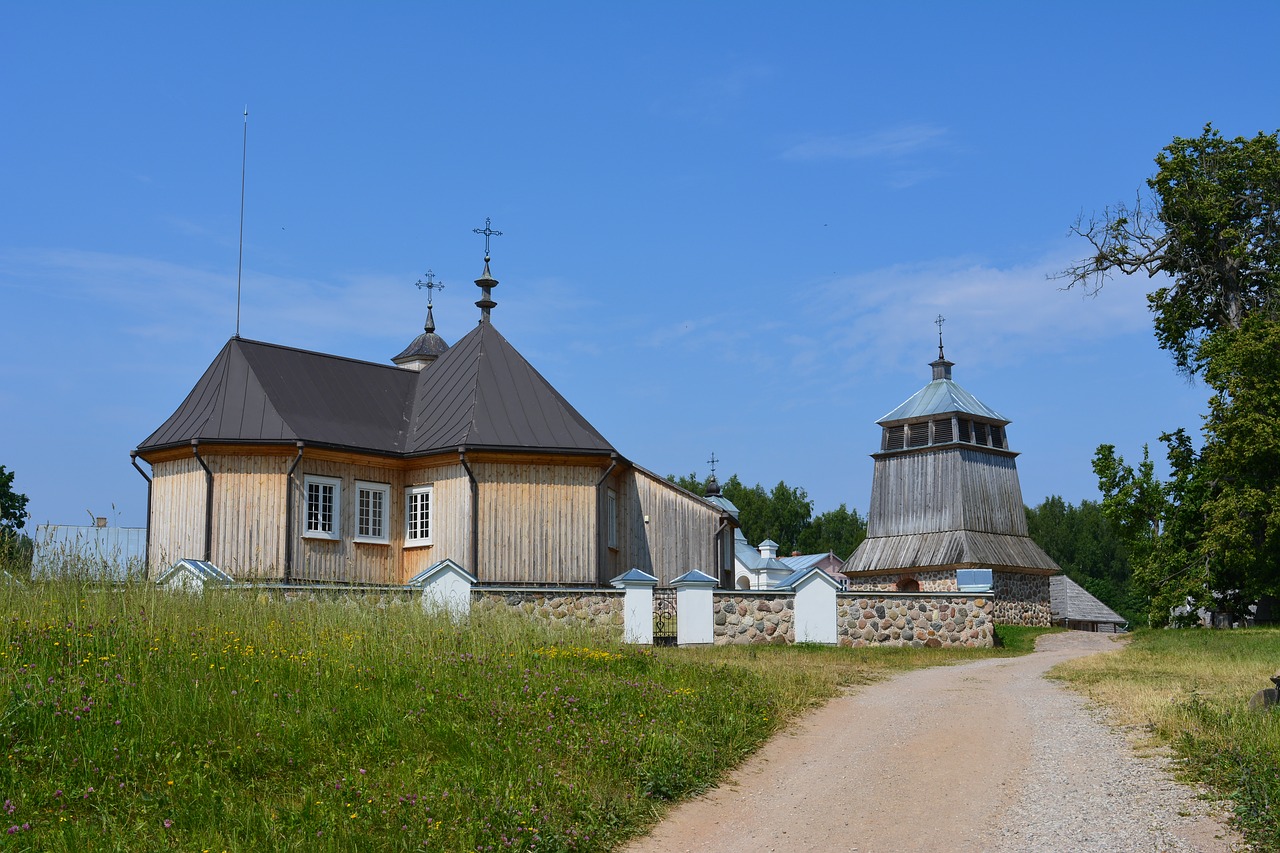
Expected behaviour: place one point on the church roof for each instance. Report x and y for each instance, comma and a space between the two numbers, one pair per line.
480, 393
939, 397
948, 548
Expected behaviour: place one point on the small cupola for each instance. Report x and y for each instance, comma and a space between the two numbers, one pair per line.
769, 549
428, 346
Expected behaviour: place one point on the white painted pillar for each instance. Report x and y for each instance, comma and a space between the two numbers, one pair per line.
815, 613
637, 606
694, 617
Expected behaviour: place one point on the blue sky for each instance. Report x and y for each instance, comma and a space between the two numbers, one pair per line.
726, 227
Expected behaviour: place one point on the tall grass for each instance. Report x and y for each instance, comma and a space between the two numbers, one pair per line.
1190, 689
132, 719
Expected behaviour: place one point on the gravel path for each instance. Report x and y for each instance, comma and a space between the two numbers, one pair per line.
987, 756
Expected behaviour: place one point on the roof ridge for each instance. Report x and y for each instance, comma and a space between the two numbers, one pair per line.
318, 353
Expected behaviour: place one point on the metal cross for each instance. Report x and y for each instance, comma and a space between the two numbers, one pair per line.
430, 284
487, 232
938, 322
712, 462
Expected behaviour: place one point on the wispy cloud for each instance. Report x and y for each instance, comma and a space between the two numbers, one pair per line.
889, 143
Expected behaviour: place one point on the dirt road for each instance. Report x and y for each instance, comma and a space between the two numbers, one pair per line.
987, 756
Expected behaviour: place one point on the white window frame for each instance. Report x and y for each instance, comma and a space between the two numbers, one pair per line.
611, 518
335, 519
383, 493
411, 495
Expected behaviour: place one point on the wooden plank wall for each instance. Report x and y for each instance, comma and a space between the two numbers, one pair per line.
248, 514
450, 519
680, 534
952, 489
537, 522
342, 560
177, 513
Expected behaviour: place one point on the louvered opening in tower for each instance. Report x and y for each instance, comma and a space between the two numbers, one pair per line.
979, 433
998, 437
894, 438
942, 431
919, 434
965, 432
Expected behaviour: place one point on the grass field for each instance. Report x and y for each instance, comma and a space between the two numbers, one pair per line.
1190, 689
135, 720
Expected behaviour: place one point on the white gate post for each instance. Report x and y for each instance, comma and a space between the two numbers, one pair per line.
694, 617
637, 606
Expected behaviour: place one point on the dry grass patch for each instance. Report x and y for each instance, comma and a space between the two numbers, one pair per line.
1189, 689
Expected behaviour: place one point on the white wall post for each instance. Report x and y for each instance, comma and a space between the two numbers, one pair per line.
446, 588
694, 617
815, 613
637, 606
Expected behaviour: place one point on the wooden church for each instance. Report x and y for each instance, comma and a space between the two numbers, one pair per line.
289, 465
946, 508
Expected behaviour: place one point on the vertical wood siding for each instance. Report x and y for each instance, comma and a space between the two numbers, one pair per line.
953, 489
537, 523
177, 513
344, 560
248, 514
680, 534
450, 519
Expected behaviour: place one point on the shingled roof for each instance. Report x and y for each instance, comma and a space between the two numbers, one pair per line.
481, 393
1070, 602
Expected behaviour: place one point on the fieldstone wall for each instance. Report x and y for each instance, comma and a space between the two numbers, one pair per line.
942, 580
588, 606
379, 597
914, 619
743, 617
1022, 599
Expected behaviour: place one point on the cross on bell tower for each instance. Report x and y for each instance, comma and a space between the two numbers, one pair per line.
941, 367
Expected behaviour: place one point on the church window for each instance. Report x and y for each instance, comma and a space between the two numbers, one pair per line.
417, 515
324, 496
372, 500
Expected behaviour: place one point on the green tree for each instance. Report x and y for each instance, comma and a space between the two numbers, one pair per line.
839, 531
1211, 224
13, 506
15, 547
1090, 551
1210, 535
782, 514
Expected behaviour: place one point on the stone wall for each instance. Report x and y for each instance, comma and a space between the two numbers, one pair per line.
744, 617
1022, 599
914, 619
587, 606
941, 580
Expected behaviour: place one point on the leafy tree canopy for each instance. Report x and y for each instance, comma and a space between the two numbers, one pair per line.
785, 515
1211, 223
13, 506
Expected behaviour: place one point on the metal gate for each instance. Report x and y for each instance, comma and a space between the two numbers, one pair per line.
664, 617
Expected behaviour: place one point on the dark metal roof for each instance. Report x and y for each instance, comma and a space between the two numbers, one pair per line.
480, 393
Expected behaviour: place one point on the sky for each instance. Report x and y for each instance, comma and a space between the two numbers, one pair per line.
726, 227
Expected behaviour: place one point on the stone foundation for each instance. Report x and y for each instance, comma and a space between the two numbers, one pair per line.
585, 607
914, 619
745, 617
1022, 599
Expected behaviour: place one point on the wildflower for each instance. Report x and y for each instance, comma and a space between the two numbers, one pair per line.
167, 823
